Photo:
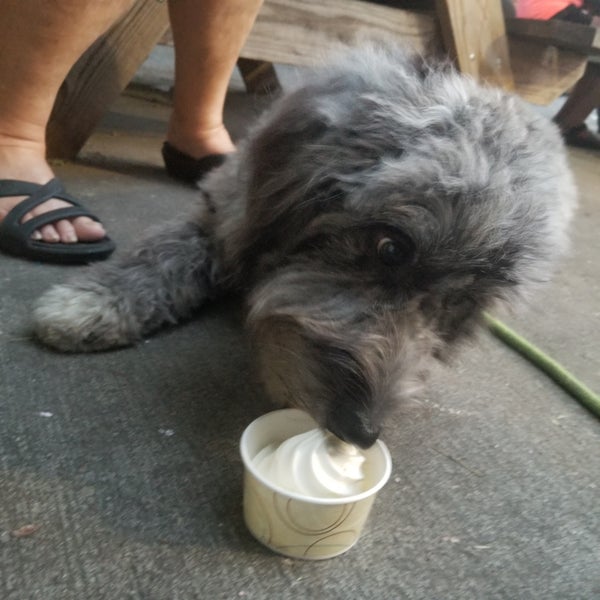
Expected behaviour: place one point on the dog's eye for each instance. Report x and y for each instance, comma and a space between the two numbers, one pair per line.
393, 252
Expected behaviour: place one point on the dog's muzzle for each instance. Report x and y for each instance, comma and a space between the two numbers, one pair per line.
353, 429
350, 407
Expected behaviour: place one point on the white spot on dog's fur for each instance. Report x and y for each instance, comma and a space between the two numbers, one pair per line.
70, 319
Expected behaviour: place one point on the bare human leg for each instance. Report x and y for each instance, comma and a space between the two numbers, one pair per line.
44, 39
582, 100
208, 36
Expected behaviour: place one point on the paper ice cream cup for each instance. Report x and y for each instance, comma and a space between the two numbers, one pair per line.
304, 526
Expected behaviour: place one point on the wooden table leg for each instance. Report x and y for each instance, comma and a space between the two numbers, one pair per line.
475, 37
259, 76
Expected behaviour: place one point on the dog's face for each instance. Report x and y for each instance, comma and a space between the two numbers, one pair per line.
385, 213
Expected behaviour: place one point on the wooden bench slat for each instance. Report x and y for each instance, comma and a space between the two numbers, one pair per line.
301, 33
562, 34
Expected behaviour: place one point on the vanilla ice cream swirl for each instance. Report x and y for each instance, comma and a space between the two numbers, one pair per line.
315, 463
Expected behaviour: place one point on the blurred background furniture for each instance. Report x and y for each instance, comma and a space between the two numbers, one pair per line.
538, 65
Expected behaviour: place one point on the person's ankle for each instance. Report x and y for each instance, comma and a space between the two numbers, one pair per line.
24, 160
199, 142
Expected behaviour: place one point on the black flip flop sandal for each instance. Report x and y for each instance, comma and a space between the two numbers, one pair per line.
15, 237
187, 168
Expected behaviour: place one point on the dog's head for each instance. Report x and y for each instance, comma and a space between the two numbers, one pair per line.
390, 201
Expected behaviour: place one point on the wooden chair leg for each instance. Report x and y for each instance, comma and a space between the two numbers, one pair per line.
259, 76
475, 37
100, 76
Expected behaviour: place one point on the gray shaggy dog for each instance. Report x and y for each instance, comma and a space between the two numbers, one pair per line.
368, 220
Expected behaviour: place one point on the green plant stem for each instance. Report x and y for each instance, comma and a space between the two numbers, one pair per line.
553, 369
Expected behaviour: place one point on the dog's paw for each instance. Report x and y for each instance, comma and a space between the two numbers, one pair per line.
78, 318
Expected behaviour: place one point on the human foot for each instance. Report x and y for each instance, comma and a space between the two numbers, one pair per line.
16, 235
28, 165
190, 154
185, 168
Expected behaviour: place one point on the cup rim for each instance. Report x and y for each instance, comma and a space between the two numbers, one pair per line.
248, 464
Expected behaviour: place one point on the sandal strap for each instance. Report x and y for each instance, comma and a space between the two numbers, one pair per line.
53, 216
38, 194
16, 187
15, 236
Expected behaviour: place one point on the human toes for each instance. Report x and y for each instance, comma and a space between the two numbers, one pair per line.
47, 233
80, 229
87, 230
67, 231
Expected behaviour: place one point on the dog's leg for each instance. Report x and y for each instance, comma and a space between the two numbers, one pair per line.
160, 282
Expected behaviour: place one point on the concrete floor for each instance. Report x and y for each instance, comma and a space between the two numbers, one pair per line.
126, 462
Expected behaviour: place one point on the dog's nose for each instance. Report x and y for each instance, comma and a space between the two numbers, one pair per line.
354, 431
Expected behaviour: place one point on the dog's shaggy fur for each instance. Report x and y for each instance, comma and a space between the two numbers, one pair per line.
368, 219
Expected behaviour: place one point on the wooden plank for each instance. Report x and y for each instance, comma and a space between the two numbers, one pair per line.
562, 34
542, 73
474, 36
301, 33
101, 74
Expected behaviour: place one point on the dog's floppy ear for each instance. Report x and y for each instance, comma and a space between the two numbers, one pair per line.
294, 125
283, 151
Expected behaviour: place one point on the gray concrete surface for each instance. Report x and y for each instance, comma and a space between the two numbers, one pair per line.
126, 462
